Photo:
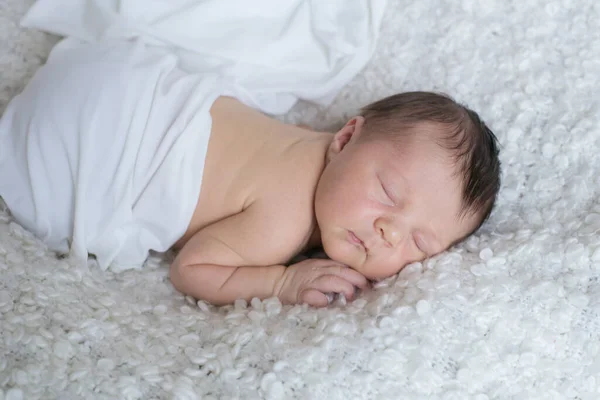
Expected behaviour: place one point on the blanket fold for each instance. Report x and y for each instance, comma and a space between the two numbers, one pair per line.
272, 52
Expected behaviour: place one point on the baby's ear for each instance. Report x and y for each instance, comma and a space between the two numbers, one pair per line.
349, 132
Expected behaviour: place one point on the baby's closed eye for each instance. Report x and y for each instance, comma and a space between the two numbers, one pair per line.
386, 195
420, 244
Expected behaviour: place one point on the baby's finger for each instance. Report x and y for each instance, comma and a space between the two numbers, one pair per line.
333, 283
314, 298
350, 275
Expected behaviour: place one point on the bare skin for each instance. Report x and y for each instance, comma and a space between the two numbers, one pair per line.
271, 191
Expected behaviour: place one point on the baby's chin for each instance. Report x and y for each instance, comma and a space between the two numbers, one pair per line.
375, 275
341, 255
376, 278
368, 274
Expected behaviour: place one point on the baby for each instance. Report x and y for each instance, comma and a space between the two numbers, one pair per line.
412, 175
406, 179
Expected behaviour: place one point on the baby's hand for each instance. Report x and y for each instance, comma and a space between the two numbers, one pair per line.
310, 281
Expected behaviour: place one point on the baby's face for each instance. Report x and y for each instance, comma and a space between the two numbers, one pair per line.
380, 207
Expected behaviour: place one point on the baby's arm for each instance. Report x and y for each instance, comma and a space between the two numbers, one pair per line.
242, 256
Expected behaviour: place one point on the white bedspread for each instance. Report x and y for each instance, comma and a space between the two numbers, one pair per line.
513, 313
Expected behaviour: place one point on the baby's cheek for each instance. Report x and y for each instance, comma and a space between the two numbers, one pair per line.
378, 271
398, 262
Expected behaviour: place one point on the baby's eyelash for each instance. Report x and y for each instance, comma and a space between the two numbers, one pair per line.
387, 193
416, 241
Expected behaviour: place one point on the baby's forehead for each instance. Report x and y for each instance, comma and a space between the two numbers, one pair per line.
435, 132
429, 141
423, 160
403, 134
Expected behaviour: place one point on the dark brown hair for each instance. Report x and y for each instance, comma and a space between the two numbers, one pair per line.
462, 131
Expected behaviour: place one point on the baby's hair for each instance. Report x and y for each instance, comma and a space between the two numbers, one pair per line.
462, 131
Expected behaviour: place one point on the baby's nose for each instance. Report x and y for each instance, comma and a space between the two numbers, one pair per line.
389, 231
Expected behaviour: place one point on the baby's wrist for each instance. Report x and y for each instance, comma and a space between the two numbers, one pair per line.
276, 278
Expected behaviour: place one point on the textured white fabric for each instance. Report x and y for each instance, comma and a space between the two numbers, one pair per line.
271, 52
513, 313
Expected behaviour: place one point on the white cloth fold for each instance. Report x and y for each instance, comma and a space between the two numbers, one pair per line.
103, 152
272, 52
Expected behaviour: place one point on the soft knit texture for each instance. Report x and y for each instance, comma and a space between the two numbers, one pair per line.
512, 313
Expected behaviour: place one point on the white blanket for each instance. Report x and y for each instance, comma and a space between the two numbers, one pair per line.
271, 52
103, 152
513, 313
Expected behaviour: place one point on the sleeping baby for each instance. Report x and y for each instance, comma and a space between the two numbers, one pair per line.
113, 150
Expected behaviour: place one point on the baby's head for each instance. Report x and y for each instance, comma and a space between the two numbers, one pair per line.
412, 175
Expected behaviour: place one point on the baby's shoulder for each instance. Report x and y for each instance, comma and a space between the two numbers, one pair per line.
287, 202
285, 222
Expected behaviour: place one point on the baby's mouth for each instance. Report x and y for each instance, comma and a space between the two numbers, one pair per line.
356, 240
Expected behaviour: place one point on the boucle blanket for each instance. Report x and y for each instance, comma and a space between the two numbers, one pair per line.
511, 313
